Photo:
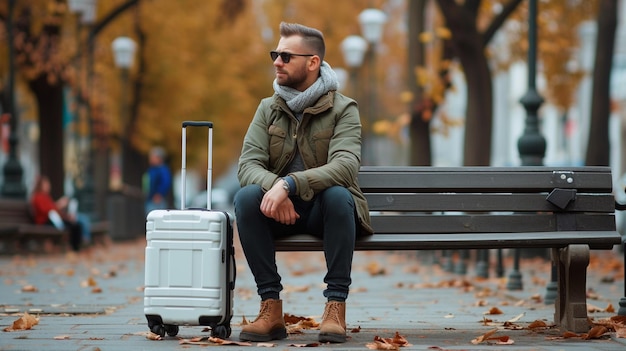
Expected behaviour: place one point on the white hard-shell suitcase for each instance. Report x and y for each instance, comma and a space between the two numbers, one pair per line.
189, 263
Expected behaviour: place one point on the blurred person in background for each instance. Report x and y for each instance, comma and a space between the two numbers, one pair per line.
157, 182
61, 213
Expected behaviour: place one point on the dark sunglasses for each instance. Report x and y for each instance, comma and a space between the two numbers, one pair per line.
285, 56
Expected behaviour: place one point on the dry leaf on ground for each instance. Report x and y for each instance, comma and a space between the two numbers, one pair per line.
517, 318
153, 336
25, 322
313, 344
304, 322
537, 324
494, 310
620, 331
29, 288
374, 268
484, 337
209, 340
388, 343
596, 332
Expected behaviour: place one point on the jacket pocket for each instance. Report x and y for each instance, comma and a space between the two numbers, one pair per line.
321, 142
277, 144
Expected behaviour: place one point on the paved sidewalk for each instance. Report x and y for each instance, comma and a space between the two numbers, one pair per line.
94, 301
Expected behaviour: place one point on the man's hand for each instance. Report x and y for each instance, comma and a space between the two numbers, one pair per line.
277, 205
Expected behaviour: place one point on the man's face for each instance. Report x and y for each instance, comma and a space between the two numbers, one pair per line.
294, 73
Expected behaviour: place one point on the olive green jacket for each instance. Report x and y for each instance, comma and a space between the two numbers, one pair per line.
328, 139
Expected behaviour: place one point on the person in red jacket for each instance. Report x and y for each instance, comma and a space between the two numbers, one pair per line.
42, 204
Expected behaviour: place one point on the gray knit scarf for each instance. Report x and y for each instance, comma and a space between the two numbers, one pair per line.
299, 100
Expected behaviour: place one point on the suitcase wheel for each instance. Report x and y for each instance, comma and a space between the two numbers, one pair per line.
158, 329
221, 331
171, 330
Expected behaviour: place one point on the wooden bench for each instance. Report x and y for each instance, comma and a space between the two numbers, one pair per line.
17, 230
567, 209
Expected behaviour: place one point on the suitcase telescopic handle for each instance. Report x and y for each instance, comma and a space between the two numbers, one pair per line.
183, 173
197, 124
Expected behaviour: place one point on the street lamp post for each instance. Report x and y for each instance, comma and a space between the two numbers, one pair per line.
13, 185
121, 210
531, 145
372, 22
124, 54
353, 48
85, 188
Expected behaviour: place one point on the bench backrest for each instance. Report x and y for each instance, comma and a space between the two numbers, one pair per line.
489, 199
14, 211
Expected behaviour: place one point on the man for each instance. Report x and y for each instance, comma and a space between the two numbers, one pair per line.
298, 171
157, 181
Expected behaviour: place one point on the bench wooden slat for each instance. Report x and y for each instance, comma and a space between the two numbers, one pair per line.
453, 241
484, 179
484, 202
474, 223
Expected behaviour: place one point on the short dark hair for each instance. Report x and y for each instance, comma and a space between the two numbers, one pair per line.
312, 38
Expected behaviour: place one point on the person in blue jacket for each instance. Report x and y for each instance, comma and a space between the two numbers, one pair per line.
157, 181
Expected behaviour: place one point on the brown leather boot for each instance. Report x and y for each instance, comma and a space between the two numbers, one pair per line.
333, 327
268, 325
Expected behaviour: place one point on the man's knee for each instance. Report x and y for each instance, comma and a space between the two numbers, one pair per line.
338, 196
248, 198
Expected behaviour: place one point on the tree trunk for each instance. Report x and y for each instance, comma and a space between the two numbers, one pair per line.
598, 147
469, 47
50, 104
419, 129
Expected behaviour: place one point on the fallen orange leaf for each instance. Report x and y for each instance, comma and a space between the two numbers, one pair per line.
393, 343
569, 334
305, 322
494, 310
595, 332
620, 331
29, 288
537, 324
25, 322
374, 268
609, 308
484, 337
153, 336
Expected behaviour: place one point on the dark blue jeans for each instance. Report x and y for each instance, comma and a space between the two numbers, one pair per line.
330, 215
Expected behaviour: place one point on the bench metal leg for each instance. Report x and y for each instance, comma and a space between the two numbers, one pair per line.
500, 265
461, 265
552, 287
515, 278
448, 264
482, 263
571, 302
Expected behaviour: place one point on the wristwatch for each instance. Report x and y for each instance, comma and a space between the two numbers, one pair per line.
285, 185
